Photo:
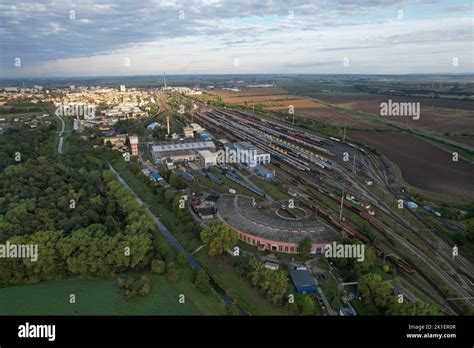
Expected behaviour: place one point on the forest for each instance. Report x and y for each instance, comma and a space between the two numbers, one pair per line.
85, 223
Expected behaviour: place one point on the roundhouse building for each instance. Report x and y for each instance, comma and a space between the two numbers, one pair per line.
267, 229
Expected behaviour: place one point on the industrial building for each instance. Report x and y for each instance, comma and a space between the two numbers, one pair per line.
303, 280
264, 172
267, 229
176, 151
188, 132
247, 153
208, 158
116, 141
133, 144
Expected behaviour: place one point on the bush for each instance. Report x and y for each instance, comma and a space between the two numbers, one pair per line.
202, 282
158, 266
133, 287
181, 258
172, 273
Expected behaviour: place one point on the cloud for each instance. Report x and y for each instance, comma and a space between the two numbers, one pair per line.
96, 36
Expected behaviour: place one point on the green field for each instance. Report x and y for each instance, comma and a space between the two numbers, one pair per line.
270, 188
224, 273
101, 297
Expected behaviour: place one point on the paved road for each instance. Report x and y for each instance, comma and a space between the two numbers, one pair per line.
61, 138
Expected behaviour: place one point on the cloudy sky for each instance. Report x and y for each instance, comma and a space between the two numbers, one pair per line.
120, 37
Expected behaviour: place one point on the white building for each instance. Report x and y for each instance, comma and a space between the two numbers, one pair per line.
253, 156
208, 158
188, 132
123, 88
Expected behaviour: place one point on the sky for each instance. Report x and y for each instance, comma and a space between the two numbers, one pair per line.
63, 38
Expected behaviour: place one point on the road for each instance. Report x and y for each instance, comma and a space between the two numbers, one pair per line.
61, 137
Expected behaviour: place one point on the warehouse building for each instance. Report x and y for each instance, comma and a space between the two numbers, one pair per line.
207, 158
176, 151
303, 280
247, 153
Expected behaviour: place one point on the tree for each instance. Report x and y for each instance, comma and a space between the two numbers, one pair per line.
305, 246
470, 210
375, 292
218, 238
417, 308
335, 303
202, 282
307, 306
158, 266
470, 229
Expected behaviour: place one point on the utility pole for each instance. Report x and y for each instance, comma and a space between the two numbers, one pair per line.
344, 136
342, 203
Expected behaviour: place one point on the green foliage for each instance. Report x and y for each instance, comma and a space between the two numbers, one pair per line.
376, 293
305, 246
272, 284
181, 258
158, 266
133, 287
201, 281
417, 308
470, 210
470, 229
218, 238
350, 268
172, 273
306, 304
83, 220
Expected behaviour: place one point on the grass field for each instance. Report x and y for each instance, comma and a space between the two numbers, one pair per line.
270, 188
101, 297
224, 273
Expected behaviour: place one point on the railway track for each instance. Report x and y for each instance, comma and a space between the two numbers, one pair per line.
277, 141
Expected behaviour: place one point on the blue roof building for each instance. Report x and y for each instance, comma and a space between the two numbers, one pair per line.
155, 176
267, 174
304, 281
152, 125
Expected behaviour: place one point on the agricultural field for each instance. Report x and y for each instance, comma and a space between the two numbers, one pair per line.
422, 164
438, 115
247, 92
279, 100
